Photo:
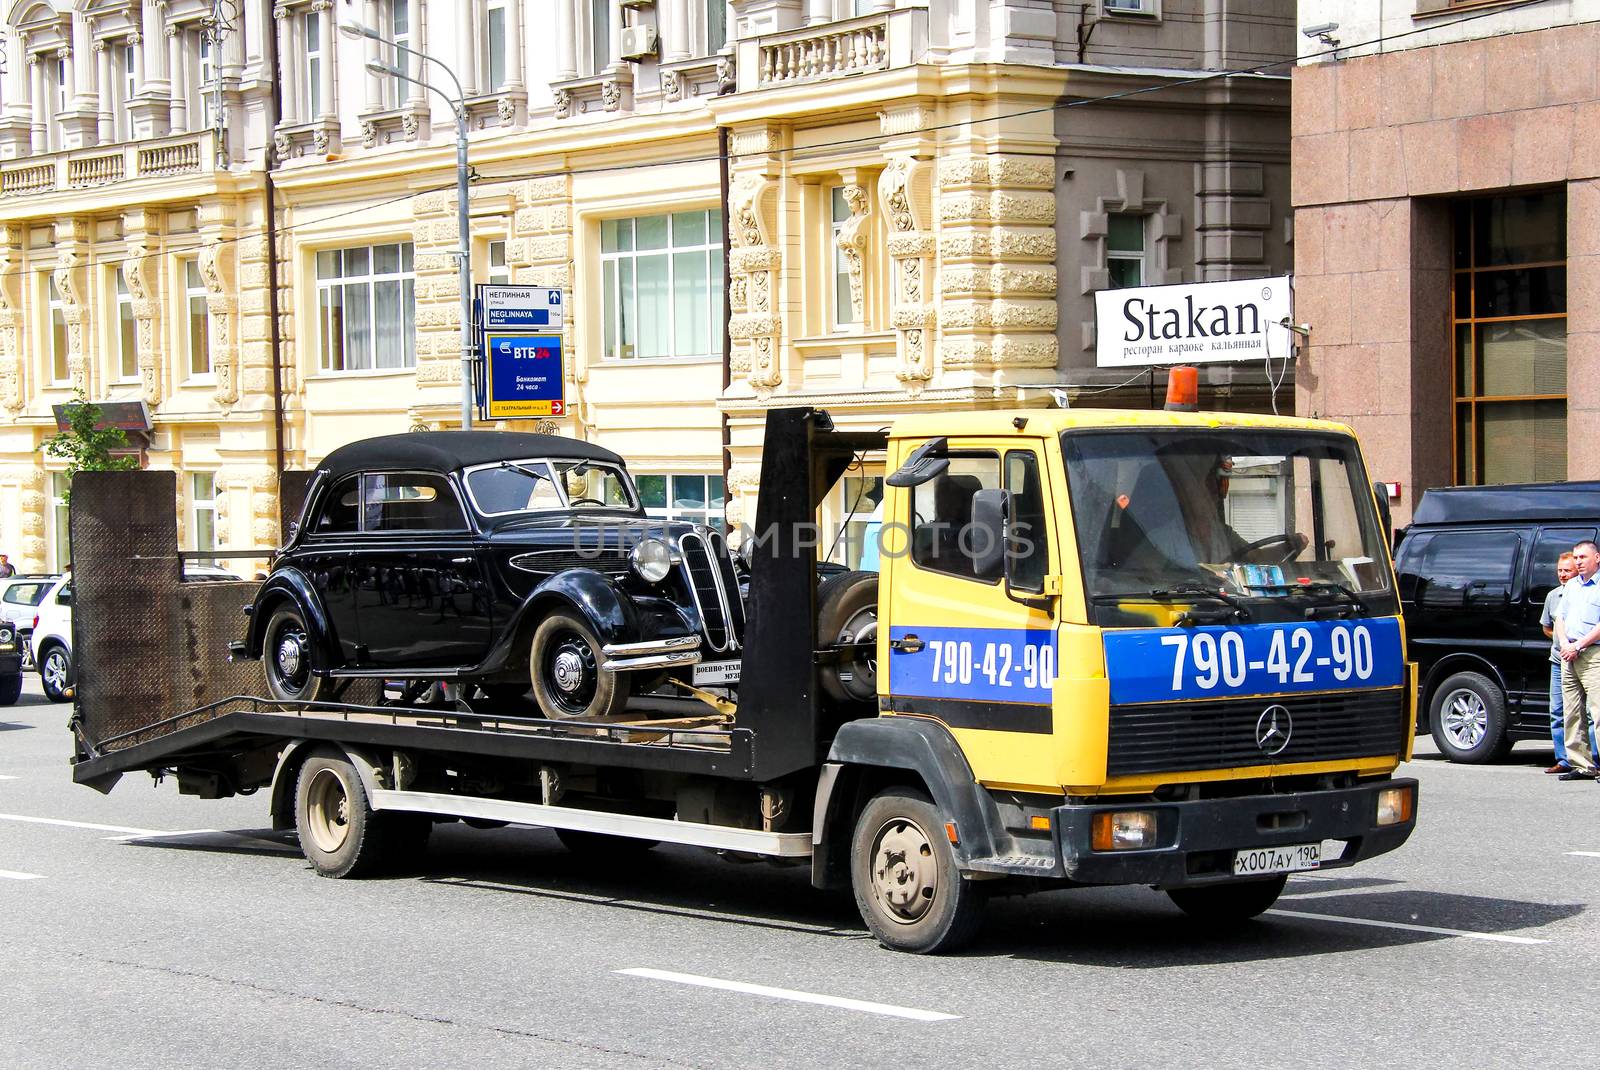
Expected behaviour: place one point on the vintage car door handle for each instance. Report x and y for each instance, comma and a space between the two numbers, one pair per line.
908, 645
461, 560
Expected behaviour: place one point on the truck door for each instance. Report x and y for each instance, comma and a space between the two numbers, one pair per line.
961, 649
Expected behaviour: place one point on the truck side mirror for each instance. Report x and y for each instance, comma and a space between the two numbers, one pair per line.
987, 534
1380, 494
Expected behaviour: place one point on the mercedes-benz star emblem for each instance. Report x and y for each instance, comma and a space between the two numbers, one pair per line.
1273, 729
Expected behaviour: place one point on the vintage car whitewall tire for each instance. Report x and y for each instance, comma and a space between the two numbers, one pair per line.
564, 662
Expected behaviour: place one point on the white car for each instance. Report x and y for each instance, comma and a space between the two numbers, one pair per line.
51, 641
19, 600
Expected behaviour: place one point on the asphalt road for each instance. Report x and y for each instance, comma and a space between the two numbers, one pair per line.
1472, 946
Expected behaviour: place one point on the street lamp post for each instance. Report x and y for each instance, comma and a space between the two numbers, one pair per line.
458, 107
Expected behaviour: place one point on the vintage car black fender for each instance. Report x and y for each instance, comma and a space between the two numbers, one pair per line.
292, 586
613, 616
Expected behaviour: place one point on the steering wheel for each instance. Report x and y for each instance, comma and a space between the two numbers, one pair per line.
1293, 542
586, 501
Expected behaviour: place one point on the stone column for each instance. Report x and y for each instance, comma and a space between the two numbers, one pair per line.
675, 41
152, 111
756, 260
417, 99
327, 41
41, 102
178, 96
106, 91
218, 251
566, 42
516, 80
818, 12
468, 55
13, 358
375, 93
72, 238
141, 270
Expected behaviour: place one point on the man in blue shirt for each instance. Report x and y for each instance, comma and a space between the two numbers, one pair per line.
1565, 570
1577, 630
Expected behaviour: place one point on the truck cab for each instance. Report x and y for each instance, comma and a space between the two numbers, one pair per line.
1167, 647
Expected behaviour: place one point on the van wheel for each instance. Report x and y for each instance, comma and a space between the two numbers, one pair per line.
903, 871
847, 612
286, 658
340, 834
1468, 719
1223, 904
564, 662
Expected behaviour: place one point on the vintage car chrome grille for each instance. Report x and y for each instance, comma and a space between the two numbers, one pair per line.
1172, 737
704, 557
548, 562
730, 581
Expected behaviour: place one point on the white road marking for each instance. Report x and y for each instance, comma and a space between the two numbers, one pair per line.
4, 777
80, 825
1585, 854
135, 837
790, 994
13, 875
1498, 938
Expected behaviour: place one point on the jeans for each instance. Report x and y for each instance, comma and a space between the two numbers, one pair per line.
1558, 723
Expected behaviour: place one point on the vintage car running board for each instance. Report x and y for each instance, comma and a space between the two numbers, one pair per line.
666, 830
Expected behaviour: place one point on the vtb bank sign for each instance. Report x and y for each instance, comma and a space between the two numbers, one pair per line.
1192, 323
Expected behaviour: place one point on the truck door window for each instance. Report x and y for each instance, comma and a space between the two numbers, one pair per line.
941, 514
1031, 559
339, 511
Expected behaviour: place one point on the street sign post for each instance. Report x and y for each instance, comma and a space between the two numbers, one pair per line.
524, 375
522, 307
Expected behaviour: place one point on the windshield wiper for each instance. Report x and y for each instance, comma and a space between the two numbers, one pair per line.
1200, 590
1343, 592
531, 473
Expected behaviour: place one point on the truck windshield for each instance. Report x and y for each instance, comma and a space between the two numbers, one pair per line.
1243, 516
538, 486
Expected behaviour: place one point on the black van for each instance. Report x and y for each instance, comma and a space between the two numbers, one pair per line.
1474, 568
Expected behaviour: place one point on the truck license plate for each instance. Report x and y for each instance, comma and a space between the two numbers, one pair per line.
1277, 860
716, 673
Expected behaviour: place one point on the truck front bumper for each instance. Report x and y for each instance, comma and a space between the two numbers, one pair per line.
1196, 841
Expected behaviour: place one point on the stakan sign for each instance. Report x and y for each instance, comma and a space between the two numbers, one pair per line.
1192, 323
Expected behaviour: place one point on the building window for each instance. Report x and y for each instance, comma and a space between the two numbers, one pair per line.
1125, 249
716, 25
843, 313
661, 285
499, 273
397, 21
494, 46
696, 499
127, 332
1510, 323
367, 308
599, 35
197, 320
203, 512
59, 372
58, 94
206, 106
311, 28
130, 89
1128, 7
860, 524
60, 547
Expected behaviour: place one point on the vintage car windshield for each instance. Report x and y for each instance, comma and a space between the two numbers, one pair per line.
540, 486
1253, 514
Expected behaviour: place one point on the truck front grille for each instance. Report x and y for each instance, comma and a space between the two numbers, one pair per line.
709, 572
1172, 737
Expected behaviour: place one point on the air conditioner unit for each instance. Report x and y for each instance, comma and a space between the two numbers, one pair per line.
638, 42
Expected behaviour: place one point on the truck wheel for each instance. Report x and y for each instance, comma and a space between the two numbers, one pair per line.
598, 844
903, 871
340, 834
10, 689
1224, 903
55, 673
564, 662
1468, 719
847, 612
286, 658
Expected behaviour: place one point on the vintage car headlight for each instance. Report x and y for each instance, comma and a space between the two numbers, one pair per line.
652, 560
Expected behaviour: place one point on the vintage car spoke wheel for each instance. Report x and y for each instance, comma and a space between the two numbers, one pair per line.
907, 885
568, 680
286, 658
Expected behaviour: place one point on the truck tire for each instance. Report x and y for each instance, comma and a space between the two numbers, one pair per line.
10, 689
600, 845
903, 871
286, 657
847, 612
1467, 716
340, 834
1223, 904
55, 672
564, 663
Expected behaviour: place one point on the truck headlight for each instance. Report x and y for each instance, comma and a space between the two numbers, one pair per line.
652, 560
1125, 830
1395, 806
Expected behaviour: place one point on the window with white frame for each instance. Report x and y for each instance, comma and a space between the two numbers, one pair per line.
204, 107
127, 331
696, 499
197, 320
839, 213
599, 35
661, 285
60, 548
128, 78
203, 513
366, 308
1125, 255
59, 372
499, 272
495, 56
1128, 7
58, 94
311, 31
859, 524
397, 23
716, 25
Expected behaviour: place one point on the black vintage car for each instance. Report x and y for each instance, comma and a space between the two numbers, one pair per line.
497, 562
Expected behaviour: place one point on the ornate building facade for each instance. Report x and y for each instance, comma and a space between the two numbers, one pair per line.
921, 199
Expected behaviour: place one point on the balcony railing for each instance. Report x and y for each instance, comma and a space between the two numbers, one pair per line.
833, 50
75, 169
